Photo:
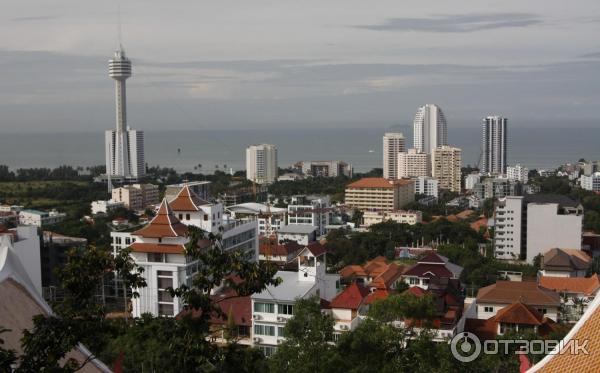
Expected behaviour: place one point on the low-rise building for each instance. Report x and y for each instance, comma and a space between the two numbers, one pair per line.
104, 207
272, 307
497, 188
199, 188
576, 293
590, 182
40, 218
427, 186
402, 217
491, 299
376, 275
137, 196
471, 180
280, 254
348, 308
324, 168
565, 263
310, 210
380, 194
269, 218
430, 266
518, 173
301, 234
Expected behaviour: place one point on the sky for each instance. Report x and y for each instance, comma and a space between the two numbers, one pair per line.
299, 64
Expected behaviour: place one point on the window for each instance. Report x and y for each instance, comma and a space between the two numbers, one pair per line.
180, 216
187, 216
156, 257
205, 217
165, 300
264, 329
488, 309
542, 310
281, 331
413, 281
267, 350
264, 307
336, 337
285, 309
165, 309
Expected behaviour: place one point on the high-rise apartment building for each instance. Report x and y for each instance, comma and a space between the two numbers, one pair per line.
446, 161
429, 129
393, 143
427, 186
374, 193
413, 164
494, 145
124, 146
261, 163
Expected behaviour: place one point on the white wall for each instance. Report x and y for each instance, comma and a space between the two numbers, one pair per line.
547, 230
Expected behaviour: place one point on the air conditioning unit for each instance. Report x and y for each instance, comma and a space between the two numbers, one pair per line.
257, 339
281, 318
279, 341
256, 317
344, 327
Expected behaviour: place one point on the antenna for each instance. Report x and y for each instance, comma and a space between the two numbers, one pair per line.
119, 26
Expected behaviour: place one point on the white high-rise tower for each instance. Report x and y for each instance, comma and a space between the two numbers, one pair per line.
124, 146
261, 163
429, 129
494, 145
393, 143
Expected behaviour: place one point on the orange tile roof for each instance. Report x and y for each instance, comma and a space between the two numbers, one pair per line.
581, 285
352, 270
351, 298
387, 277
142, 247
378, 182
376, 295
587, 330
477, 224
164, 224
186, 200
519, 313
513, 291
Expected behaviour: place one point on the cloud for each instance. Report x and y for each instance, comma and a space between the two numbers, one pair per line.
33, 18
457, 23
590, 55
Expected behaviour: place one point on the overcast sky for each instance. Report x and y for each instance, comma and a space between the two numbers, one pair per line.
285, 64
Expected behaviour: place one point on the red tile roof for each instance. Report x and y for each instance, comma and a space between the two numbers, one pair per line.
580, 285
527, 292
432, 257
376, 295
316, 248
164, 224
186, 200
378, 182
519, 313
388, 276
288, 248
428, 270
416, 291
352, 271
351, 298
140, 247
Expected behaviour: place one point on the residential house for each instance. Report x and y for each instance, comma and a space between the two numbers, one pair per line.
575, 293
431, 266
565, 263
302, 234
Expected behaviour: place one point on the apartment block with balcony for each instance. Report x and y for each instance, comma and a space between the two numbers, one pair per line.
310, 210
380, 194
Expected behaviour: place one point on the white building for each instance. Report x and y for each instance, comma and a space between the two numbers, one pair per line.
270, 219
261, 163
428, 186
393, 143
531, 225
590, 182
40, 218
310, 210
402, 217
25, 243
518, 173
507, 228
413, 164
494, 145
429, 129
124, 146
199, 188
272, 307
302, 234
324, 168
471, 180
104, 207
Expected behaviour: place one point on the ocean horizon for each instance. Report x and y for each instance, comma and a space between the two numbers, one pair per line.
221, 149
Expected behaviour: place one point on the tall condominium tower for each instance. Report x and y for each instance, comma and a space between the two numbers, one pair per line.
494, 145
429, 129
261, 163
124, 146
393, 143
446, 162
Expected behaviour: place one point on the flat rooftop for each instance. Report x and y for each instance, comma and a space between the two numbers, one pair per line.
289, 289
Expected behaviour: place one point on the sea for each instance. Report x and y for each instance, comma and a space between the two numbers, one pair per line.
207, 150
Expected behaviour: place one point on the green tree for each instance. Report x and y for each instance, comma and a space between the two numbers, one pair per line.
307, 348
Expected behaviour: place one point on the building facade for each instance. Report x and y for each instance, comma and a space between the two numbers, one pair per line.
402, 217
261, 163
137, 196
310, 210
413, 164
324, 168
494, 145
427, 186
493, 187
40, 218
518, 173
590, 182
429, 129
380, 194
446, 163
393, 143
